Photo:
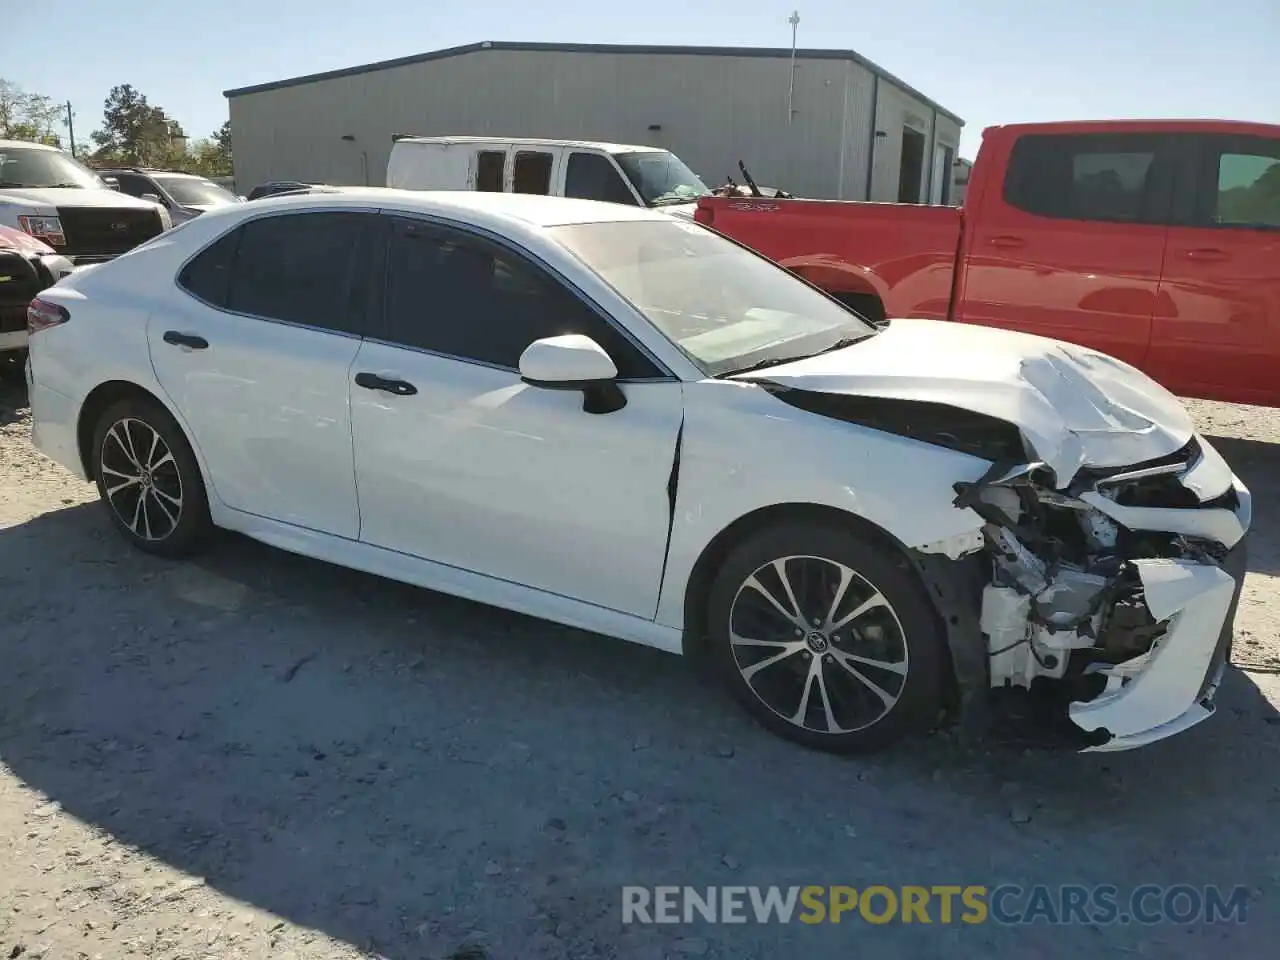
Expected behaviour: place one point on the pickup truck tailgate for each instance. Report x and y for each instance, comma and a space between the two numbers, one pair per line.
903, 254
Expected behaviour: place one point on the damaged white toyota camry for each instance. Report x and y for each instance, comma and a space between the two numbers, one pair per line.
616, 420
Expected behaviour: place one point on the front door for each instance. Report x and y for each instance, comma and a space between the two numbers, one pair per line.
460, 462
1217, 330
1071, 247
257, 361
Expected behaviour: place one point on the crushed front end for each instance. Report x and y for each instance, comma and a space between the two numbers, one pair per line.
1115, 592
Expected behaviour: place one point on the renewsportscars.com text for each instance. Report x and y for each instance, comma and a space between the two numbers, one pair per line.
937, 904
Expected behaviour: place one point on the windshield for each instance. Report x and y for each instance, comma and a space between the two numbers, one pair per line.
727, 308
34, 168
192, 191
661, 177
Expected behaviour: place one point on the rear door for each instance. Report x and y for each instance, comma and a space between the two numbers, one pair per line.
1072, 245
533, 169
1217, 329
257, 359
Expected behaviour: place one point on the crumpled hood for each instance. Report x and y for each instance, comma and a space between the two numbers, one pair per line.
1074, 406
72, 197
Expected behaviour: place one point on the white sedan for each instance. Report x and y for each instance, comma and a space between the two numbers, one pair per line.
616, 420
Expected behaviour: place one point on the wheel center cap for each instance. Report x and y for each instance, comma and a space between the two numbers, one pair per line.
817, 641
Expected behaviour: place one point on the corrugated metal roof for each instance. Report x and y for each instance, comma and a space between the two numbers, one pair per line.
642, 50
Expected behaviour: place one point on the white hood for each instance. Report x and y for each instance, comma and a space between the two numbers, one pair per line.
72, 197
1074, 406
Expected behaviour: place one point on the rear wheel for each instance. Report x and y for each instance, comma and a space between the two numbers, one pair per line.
826, 638
149, 480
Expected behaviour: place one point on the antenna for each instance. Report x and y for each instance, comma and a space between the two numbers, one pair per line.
794, 20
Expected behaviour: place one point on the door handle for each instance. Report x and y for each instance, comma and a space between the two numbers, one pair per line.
1006, 241
1207, 254
371, 381
188, 340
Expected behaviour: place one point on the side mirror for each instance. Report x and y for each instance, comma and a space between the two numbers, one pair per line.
574, 362
111, 183
153, 197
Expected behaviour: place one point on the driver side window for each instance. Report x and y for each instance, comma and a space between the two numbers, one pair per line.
460, 296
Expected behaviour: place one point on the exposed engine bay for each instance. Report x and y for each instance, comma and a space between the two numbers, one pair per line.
1078, 598
1096, 560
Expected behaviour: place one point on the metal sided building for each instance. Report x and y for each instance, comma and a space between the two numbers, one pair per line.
832, 126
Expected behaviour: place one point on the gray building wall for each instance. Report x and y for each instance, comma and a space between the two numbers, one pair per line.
711, 110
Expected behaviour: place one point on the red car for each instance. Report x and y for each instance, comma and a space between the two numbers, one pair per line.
1155, 241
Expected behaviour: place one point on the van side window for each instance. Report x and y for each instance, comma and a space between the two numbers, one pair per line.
491, 167
1248, 184
532, 173
1106, 177
592, 177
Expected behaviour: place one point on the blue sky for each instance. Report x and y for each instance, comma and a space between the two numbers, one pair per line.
990, 61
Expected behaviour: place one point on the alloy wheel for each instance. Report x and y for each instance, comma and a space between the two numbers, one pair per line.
141, 479
818, 644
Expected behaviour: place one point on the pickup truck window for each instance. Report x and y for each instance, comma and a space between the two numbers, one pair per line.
727, 308
1107, 177
1249, 187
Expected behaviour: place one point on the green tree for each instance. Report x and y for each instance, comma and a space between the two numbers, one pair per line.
133, 131
28, 116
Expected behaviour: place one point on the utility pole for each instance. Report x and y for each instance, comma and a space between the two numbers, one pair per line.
794, 20
71, 130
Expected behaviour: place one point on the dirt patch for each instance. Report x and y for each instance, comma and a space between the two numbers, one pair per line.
258, 755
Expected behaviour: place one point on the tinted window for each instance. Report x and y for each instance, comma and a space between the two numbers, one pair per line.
301, 268
531, 173
134, 185
491, 167
592, 177
1087, 177
208, 275
1248, 184
465, 298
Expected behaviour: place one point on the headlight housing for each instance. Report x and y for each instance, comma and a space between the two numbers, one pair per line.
48, 229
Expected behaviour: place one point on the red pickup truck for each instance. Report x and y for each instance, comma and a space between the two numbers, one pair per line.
1155, 241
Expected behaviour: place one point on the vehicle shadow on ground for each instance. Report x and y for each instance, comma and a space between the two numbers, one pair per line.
415, 774
13, 398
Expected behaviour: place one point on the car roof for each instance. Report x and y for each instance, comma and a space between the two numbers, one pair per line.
27, 143
537, 141
483, 209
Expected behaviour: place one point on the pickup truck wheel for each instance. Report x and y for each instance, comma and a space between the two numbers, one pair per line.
865, 305
826, 638
149, 480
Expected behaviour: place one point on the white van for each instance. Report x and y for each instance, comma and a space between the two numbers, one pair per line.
614, 172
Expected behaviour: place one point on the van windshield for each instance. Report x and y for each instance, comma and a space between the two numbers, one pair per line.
661, 177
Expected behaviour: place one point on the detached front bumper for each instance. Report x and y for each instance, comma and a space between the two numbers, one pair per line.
1171, 688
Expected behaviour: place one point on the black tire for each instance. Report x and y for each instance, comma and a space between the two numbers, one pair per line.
173, 520
902, 633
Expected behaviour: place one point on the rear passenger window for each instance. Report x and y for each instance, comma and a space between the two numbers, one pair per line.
1248, 187
532, 173
491, 168
301, 268
1107, 177
208, 276
592, 177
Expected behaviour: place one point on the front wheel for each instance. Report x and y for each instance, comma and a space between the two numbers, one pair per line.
149, 480
826, 638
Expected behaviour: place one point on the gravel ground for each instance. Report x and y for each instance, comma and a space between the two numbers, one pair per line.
259, 755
